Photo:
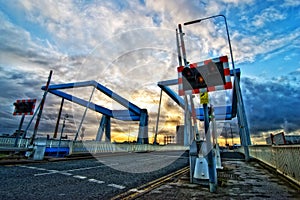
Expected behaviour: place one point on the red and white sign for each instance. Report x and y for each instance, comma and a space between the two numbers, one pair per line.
25, 106
227, 85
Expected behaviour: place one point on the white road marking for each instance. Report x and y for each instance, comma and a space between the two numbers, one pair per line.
136, 190
95, 181
47, 173
116, 186
31, 167
66, 173
87, 168
84, 168
80, 177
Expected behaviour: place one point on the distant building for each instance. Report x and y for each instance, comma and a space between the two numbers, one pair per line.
169, 139
180, 134
281, 139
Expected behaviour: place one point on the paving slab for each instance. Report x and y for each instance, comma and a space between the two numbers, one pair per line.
238, 180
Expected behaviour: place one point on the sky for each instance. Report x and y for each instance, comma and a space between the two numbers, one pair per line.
130, 45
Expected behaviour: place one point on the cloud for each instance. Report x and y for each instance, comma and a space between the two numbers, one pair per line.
267, 15
129, 46
271, 104
290, 3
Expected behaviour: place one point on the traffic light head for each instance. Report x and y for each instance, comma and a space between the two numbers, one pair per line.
192, 79
206, 76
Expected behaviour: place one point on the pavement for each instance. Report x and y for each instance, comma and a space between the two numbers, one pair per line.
237, 180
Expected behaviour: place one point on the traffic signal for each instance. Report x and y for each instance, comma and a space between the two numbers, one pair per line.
199, 80
188, 78
205, 76
192, 79
213, 73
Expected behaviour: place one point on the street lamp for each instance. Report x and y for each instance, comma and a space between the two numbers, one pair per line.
246, 134
228, 38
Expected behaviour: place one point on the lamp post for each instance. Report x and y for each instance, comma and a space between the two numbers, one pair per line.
241, 110
228, 38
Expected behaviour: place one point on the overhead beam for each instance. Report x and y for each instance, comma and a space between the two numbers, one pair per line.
124, 115
101, 88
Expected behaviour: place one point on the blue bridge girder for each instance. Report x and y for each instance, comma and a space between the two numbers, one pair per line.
132, 114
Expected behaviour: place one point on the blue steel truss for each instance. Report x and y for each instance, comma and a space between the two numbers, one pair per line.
132, 112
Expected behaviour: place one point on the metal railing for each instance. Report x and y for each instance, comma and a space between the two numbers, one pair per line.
98, 147
10, 142
285, 159
91, 146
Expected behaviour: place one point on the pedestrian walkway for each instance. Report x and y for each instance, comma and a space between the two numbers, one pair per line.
238, 180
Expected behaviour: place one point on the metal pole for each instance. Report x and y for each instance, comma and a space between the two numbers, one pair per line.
212, 170
84, 114
244, 124
195, 129
34, 114
182, 45
61, 133
19, 130
157, 120
231, 135
41, 109
178, 49
187, 122
58, 118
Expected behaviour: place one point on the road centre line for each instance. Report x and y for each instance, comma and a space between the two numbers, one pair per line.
95, 181
76, 176
65, 172
85, 168
80, 177
31, 167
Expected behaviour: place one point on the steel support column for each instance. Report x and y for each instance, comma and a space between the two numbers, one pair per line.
143, 128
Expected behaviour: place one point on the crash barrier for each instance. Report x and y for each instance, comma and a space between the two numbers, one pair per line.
98, 147
24, 143
284, 159
68, 147
10, 142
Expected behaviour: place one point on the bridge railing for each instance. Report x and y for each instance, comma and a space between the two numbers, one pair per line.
24, 143
284, 159
91, 146
98, 147
10, 142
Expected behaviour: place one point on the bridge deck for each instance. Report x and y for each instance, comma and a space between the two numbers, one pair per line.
238, 180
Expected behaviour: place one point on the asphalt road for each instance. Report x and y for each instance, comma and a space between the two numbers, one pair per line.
99, 178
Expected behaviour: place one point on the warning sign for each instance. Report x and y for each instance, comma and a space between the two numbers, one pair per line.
204, 98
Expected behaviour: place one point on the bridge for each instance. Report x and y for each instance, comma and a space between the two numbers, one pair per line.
68, 169
126, 172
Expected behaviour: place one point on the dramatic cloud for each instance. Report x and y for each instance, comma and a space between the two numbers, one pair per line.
129, 46
273, 104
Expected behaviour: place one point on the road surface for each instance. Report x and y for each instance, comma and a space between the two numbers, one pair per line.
100, 178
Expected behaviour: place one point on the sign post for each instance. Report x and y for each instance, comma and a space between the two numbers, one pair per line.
19, 130
211, 161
